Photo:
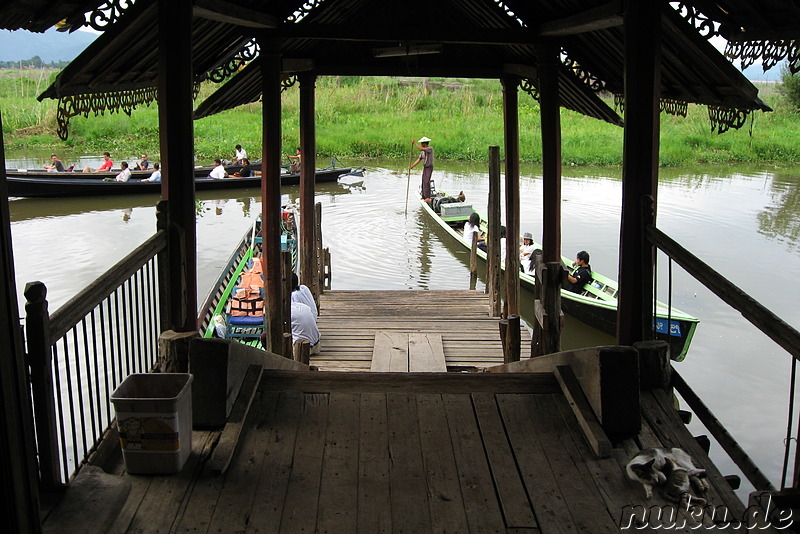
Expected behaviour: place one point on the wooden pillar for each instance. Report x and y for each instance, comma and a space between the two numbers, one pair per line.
308, 166
271, 191
20, 507
493, 255
640, 170
550, 109
511, 122
176, 134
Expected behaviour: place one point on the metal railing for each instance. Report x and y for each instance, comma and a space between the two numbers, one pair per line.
79, 354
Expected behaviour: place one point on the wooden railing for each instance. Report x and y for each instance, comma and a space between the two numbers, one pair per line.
758, 315
79, 354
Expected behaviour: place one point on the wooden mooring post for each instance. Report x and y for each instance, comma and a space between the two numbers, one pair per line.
286, 280
493, 273
321, 255
547, 307
473, 261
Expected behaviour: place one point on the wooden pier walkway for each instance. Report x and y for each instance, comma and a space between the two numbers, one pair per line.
417, 452
350, 320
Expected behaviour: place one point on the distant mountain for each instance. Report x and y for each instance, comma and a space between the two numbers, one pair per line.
49, 46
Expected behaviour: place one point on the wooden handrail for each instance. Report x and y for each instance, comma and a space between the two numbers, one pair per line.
84, 302
762, 318
735, 452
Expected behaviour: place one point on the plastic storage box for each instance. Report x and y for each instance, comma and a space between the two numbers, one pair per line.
456, 209
154, 418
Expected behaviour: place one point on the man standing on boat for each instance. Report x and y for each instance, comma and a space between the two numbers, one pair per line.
426, 157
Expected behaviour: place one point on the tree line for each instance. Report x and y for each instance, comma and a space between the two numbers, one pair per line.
33, 63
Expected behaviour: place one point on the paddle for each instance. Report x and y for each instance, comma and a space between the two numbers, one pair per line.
408, 178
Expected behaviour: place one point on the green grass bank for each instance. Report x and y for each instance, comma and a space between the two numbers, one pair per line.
377, 117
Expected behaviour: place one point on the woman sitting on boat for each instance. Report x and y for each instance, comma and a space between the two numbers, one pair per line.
525, 250
473, 225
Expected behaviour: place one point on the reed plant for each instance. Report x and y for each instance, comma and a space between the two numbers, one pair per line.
365, 117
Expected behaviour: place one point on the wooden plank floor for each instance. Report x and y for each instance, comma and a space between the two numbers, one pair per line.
349, 320
319, 454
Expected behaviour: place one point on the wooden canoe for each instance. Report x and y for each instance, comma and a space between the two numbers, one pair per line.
48, 184
597, 304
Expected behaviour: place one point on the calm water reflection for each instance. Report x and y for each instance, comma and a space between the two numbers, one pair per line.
744, 222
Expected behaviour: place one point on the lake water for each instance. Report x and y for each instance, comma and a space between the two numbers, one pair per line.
745, 222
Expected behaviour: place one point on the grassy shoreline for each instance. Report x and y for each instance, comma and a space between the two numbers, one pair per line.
377, 117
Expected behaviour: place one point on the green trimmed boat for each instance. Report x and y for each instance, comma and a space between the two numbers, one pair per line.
596, 305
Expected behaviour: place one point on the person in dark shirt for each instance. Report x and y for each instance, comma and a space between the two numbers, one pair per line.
581, 273
55, 166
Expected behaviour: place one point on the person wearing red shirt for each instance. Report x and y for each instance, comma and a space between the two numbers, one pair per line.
105, 167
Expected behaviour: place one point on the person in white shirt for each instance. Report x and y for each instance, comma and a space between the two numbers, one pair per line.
218, 172
156, 176
301, 293
304, 326
241, 154
472, 226
525, 250
125, 174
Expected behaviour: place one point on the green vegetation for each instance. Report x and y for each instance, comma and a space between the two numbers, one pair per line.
369, 117
790, 87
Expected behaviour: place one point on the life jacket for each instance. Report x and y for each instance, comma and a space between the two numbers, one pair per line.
246, 302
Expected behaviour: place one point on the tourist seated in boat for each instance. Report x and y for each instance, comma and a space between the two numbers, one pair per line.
218, 172
245, 171
473, 225
304, 326
294, 166
301, 293
55, 165
105, 167
156, 176
125, 174
525, 250
143, 165
581, 273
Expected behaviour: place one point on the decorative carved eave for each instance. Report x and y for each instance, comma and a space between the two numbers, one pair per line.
769, 52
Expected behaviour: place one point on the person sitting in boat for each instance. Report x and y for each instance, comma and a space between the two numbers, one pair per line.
301, 293
218, 172
304, 326
294, 166
143, 165
105, 167
240, 155
525, 250
581, 273
55, 165
156, 176
473, 226
125, 174
245, 171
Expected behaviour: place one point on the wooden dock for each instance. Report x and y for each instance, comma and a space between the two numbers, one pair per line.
418, 452
350, 320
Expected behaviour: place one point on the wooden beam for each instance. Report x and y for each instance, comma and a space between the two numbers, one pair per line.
639, 170
308, 165
402, 34
587, 420
230, 13
599, 18
550, 112
177, 161
511, 123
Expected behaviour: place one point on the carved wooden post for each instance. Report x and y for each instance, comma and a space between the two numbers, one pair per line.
511, 122
162, 267
40, 360
552, 304
309, 251
537, 343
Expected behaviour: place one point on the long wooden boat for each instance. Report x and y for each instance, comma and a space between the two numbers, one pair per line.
48, 184
596, 305
216, 305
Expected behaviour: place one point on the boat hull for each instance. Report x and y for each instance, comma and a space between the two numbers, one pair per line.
43, 184
599, 314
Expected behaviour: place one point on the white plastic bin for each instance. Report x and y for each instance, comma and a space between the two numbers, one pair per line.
154, 418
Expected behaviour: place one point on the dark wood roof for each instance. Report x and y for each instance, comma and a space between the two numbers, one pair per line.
469, 38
